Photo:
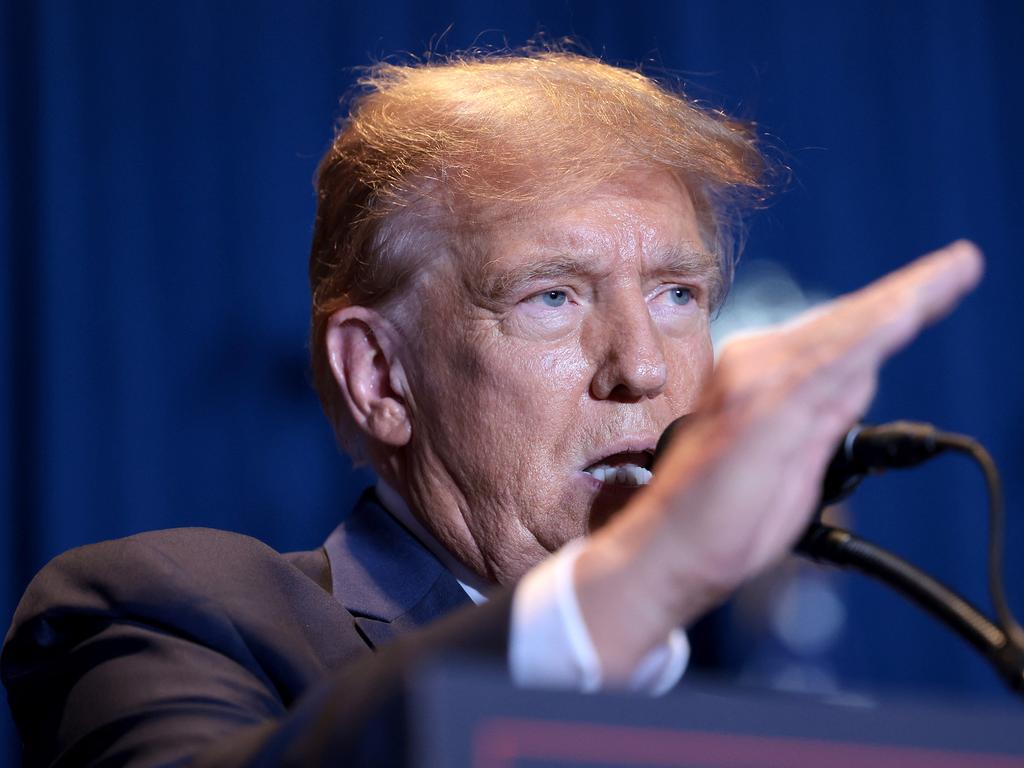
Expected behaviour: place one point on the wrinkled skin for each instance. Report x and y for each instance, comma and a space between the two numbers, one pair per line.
484, 405
521, 380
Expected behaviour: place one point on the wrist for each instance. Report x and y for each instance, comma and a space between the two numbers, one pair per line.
633, 591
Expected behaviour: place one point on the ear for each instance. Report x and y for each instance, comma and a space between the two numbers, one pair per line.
362, 347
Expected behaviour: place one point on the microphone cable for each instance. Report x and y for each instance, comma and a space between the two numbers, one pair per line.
1002, 641
868, 450
996, 529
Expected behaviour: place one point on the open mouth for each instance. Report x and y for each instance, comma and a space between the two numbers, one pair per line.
630, 469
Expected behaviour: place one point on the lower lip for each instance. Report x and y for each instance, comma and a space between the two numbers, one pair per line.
596, 486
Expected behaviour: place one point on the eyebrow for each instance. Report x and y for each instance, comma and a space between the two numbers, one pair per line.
679, 261
499, 285
693, 262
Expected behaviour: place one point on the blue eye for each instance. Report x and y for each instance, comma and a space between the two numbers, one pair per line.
680, 295
553, 298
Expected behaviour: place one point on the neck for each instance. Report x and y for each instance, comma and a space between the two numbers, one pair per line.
476, 586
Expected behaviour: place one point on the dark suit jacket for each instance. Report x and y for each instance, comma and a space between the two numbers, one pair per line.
203, 647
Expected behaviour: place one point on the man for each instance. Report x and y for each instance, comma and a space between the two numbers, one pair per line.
513, 270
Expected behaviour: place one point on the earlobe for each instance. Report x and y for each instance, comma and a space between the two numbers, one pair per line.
362, 349
388, 422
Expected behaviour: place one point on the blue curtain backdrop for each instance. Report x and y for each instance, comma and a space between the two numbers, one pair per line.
156, 206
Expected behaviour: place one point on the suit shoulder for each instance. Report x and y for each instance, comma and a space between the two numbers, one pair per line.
174, 578
175, 558
191, 629
185, 545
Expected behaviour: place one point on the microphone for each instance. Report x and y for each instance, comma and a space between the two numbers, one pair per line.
865, 450
868, 449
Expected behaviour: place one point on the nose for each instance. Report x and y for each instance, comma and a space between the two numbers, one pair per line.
631, 365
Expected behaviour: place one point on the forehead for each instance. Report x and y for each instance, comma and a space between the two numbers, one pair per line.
645, 221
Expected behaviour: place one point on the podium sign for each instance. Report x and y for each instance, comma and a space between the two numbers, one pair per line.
467, 715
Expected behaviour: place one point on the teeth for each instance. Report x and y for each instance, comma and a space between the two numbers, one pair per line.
627, 474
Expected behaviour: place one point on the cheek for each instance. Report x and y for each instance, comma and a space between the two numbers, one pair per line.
691, 361
537, 389
562, 368
505, 400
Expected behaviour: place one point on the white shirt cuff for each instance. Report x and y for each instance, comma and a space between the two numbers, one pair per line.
550, 645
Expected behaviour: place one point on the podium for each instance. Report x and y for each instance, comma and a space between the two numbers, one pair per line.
465, 714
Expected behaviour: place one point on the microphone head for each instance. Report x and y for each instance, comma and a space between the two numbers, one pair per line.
844, 471
666, 437
865, 449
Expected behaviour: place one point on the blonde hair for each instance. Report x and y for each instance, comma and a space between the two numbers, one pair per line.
457, 138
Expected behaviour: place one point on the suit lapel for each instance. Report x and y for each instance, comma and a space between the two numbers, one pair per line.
385, 578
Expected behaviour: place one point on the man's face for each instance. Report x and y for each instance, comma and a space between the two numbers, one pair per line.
557, 346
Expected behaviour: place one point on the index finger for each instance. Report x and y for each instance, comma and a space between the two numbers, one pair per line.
884, 316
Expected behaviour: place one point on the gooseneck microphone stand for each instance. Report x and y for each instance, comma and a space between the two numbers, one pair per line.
870, 450
1001, 641
835, 546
